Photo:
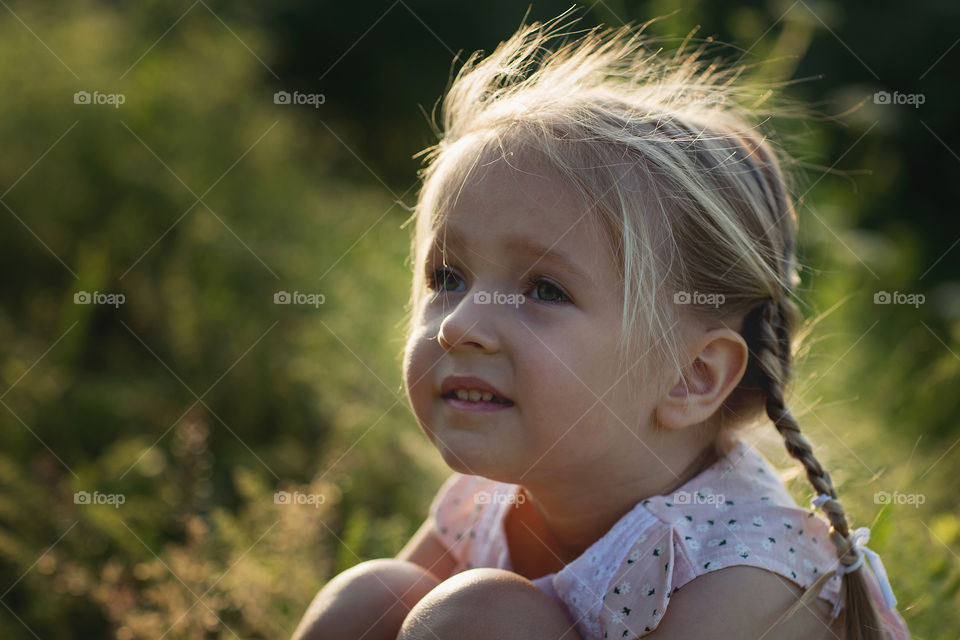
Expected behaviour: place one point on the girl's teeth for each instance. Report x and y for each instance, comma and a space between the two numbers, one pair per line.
473, 395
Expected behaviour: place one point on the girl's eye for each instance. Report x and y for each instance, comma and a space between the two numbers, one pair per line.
547, 291
444, 279
440, 279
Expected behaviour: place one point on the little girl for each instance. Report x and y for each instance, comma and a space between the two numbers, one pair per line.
602, 295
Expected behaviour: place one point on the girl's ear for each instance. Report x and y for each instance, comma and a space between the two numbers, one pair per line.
719, 360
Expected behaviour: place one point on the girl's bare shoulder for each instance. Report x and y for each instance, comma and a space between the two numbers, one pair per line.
742, 602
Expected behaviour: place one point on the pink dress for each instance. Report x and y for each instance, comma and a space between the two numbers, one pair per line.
736, 512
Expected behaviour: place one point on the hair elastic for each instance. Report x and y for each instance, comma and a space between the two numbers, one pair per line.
859, 540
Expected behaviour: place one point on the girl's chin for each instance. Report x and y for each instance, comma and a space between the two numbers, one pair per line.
472, 454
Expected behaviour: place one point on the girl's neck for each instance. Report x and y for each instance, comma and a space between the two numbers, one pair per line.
707, 457
537, 548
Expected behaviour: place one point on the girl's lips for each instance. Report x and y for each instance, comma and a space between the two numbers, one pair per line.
467, 405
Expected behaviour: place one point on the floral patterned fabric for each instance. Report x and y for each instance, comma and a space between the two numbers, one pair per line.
736, 512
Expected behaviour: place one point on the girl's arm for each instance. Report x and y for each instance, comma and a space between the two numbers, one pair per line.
744, 602
428, 551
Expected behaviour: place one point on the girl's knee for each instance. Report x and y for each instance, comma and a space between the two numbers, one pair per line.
370, 600
486, 603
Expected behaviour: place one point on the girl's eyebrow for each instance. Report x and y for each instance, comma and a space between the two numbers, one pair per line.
529, 246
521, 244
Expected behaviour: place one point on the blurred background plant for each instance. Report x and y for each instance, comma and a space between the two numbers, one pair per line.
200, 197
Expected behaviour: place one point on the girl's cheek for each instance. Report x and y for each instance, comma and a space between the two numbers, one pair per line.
416, 369
410, 364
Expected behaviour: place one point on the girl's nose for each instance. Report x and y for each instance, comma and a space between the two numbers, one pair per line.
469, 324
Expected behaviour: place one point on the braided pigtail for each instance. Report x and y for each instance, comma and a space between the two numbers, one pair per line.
767, 329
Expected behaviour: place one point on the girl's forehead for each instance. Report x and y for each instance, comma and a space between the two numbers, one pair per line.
507, 198
476, 175
504, 195
528, 234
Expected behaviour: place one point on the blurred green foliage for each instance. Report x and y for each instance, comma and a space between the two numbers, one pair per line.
199, 198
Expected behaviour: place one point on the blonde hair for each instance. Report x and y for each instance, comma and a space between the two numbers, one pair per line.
666, 155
